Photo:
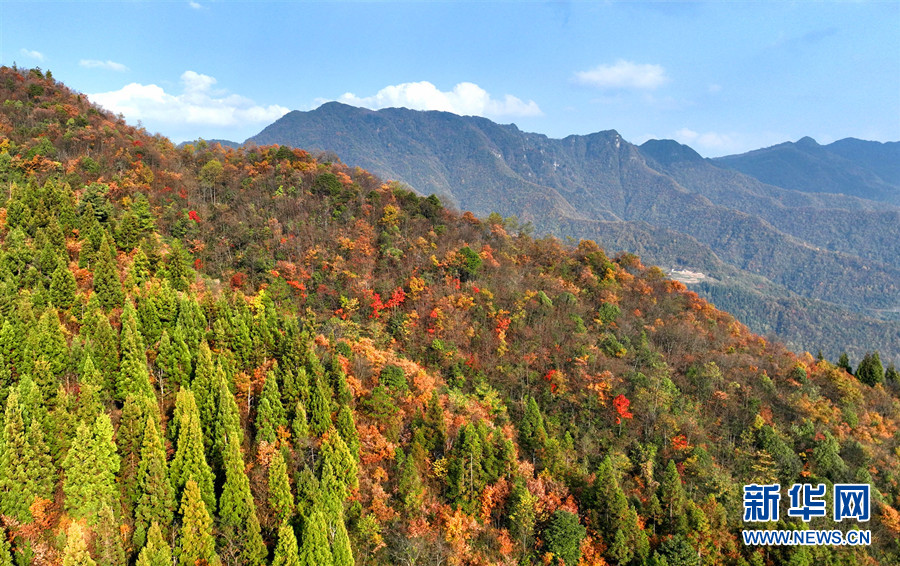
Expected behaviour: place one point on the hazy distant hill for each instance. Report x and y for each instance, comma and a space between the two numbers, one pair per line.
850, 166
661, 200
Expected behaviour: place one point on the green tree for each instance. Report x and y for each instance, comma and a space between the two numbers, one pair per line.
196, 544
174, 358
532, 433
270, 414
134, 375
891, 374
156, 500
522, 513
108, 539
91, 467
315, 550
341, 551
189, 462
281, 500
563, 537
5, 551
178, 267
156, 552
237, 511
286, 552
63, 287
106, 277
346, 427
319, 409
870, 370
20, 479
673, 500
76, 551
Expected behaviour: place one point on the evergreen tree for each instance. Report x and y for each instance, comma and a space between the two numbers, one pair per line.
844, 363
156, 501
76, 551
174, 358
49, 344
891, 374
5, 551
299, 428
196, 544
104, 351
270, 414
134, 375
346, 427
189, 462
409, 482
90, 402
205, 387
106, 277
435, 429
140, 269
341, 551
228, 420
320, 407
286, 552
315, 550
17, 476
531, 431
522, 514
237, 511
563, 537
91, 466
673, 500
281, 500
157, 551
108, 541
177, 267
607, 501
870, 370
63, 287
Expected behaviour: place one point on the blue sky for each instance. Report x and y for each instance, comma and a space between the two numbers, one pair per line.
723, 77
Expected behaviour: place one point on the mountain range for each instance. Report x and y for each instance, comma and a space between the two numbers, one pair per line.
798, 240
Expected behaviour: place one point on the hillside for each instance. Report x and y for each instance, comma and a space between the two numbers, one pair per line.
220, 356
850, 166
660, 200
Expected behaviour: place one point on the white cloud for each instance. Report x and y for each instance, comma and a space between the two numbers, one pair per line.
195, 5
198, 104
32, 54
108, 65
623, 75
708, 140
467, 99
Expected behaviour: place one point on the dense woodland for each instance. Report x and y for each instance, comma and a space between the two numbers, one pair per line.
253, 356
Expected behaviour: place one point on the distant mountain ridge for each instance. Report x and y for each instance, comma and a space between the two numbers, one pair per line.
865, 169
661, 200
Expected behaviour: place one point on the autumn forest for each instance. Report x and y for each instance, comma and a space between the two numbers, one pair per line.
259, 356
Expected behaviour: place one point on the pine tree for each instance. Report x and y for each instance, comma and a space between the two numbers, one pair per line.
196, 544
130, 438
156, 500
409, 482
237, 511
870, 370
90, 402
270, 414
104, 351
281, 500
6, 552
157, 551
319, 410
299, 428
63, 287
174, 358
177, 267
844, 363
228, 420
286, 552
891, 374
315, 550
346, 427
49, 343
140, 269
531, 432
134, 376
108, 541
76, 551
106, 277
189, 462
16, 481
91, 466
673, 500
205, 387
340, 547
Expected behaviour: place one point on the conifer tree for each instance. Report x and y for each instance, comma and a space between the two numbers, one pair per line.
228, 420
346, 427
49, 343
196, 544
106, 277
130, 438
177, 267
108, 541
870, 370
63, 287
205, 387
270, 414
237, 511
174, 358
104, 351
17, 489
76, 551
190, 462
281, 500
299, 428
90, 402
673, 500
156, 552
91, 466
531, 432
6, 552
319, 409
286, 551
315, 550
340, 546
134, 376
156, 500
139, 272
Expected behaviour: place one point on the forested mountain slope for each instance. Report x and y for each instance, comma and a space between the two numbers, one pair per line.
749, 238
220, 356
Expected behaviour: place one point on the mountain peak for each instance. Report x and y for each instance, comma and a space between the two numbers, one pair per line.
667, 152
